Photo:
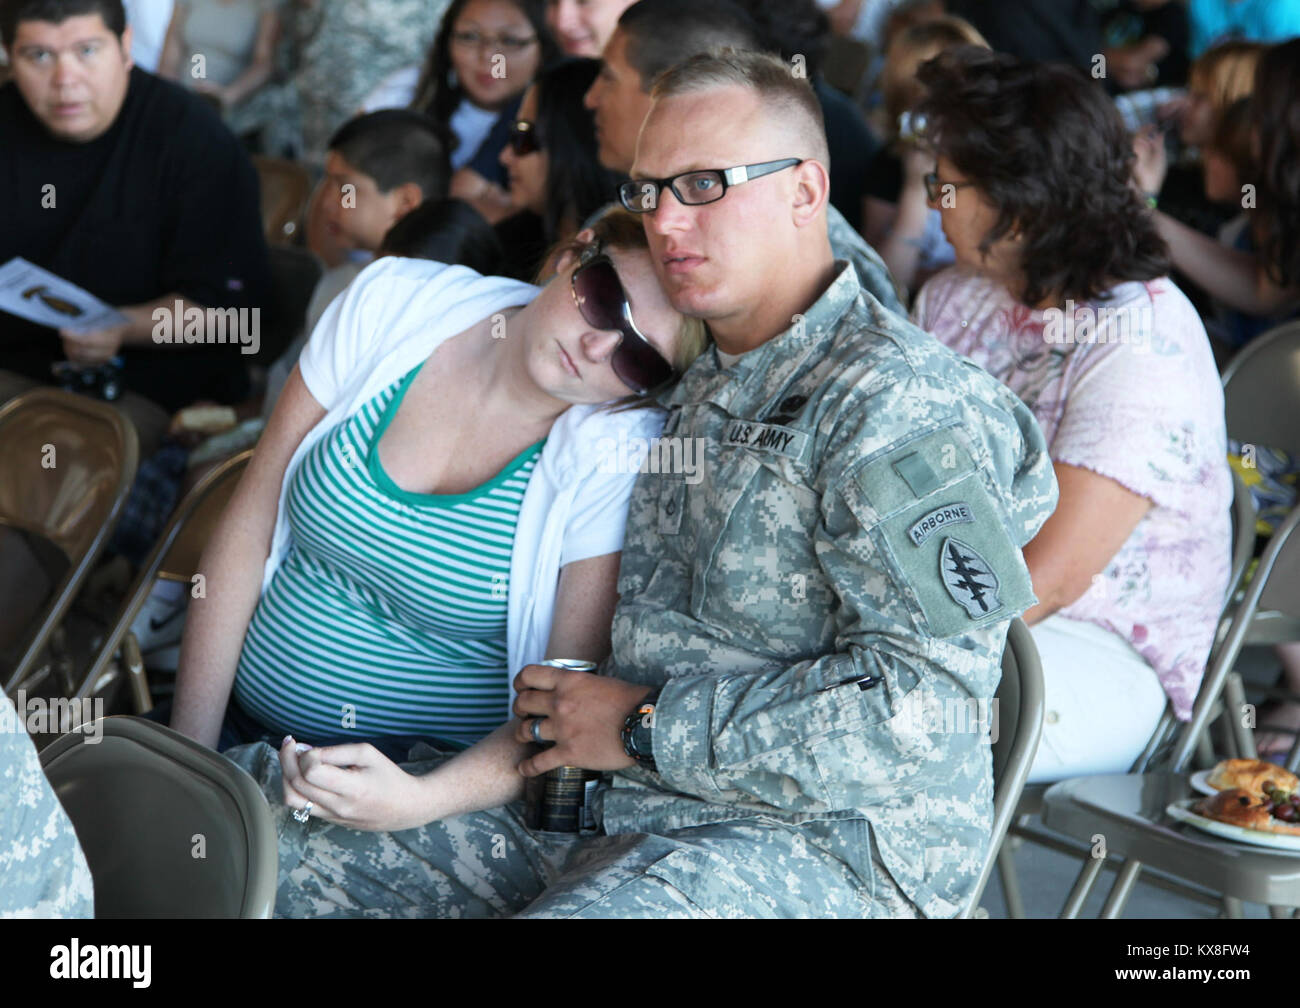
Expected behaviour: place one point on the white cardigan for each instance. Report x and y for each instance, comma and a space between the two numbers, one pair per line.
389, 320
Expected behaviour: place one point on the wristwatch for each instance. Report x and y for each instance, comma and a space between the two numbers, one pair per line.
637, 732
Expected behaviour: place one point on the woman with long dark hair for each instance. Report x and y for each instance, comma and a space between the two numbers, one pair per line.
554, 172
1060, 291
485, 54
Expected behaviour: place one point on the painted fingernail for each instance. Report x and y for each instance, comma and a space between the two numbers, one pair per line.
287, 740
301, 747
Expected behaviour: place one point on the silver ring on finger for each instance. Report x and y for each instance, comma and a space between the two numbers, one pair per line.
303, 814
536, 731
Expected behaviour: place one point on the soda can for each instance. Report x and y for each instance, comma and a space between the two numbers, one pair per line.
560, 800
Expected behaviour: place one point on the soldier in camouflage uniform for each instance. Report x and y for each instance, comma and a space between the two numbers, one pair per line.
804, 628
43, 872
338, 52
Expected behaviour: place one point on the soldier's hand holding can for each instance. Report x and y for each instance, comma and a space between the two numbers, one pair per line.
583, 714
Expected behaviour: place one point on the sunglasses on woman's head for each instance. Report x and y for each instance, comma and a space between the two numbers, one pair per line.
600, 297
523, 138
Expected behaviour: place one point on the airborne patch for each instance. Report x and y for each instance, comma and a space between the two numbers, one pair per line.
969, 579
950, 514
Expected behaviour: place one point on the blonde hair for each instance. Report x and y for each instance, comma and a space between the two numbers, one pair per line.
791, 97
909, 49
1226, 72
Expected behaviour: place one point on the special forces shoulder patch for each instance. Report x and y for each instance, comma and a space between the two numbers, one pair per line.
941, 532
968, 577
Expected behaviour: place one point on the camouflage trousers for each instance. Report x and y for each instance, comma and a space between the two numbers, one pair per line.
489, 864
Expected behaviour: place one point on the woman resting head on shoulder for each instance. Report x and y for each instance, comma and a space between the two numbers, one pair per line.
438, 500
1060, 291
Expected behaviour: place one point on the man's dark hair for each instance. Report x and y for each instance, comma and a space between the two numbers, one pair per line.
1045, 145
791, 28
447, 231
57, 11
394, 147
662, 33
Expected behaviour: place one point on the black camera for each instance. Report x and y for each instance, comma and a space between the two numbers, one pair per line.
102, 381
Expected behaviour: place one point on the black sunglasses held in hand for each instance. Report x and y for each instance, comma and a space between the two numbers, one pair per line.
600, 297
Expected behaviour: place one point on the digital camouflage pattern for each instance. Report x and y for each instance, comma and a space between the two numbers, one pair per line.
864, 491
872, 272
338, 52
813, 555
43, 872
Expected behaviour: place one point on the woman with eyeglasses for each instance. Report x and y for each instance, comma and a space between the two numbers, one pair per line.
551, 161
1061, 291
437, 501
485, 54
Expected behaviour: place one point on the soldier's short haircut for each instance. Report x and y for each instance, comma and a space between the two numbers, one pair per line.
788, 97
13, 12
394, 147
663, 32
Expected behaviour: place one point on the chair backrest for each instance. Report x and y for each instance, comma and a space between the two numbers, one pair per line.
175, 556
285, 187
1275, 585
1261, 391
169, 827
1019, 720
66, 466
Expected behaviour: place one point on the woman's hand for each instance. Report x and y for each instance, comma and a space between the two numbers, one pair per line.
1152, 160
352, 785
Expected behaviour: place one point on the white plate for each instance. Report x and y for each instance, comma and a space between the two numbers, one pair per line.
1279, 841
1201, 781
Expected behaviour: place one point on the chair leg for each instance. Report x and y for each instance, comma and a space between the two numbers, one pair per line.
1232, 908
1010, 881
1082, 886
134, 662
1205, 750
1121, 890
1234, 699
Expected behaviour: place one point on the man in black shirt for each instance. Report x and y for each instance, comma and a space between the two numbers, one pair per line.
132, 188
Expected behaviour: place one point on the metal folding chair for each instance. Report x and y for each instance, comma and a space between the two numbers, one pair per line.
169, 828
1019, 702
67, 462
175, 557
1128, 810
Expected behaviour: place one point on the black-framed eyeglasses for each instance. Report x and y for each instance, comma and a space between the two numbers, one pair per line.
523, 138
934, 188
600, 297
695, 188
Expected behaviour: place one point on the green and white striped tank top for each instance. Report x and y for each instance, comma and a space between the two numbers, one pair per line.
388, 614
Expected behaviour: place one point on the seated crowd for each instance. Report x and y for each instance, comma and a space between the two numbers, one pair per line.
639, 343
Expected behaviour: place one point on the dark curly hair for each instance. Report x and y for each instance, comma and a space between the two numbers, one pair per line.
436, 94
1276, 114
1046, 146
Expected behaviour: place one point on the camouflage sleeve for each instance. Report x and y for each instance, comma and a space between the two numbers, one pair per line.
915, 542
43, 872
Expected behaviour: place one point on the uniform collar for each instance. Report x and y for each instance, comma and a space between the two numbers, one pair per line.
768, 367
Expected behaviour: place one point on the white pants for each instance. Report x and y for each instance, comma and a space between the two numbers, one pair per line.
1102, 701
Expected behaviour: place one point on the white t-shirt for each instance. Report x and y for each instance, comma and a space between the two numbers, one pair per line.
389, 320
148, 20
